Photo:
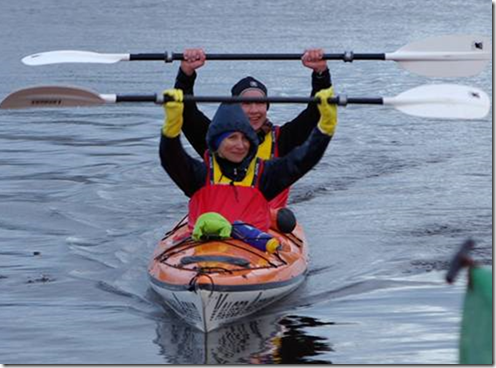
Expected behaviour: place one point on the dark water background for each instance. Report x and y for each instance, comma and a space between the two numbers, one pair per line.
83, 199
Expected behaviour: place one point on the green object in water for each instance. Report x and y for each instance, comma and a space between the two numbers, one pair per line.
476, 343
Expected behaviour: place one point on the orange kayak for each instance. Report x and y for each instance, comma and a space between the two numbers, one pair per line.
213, 283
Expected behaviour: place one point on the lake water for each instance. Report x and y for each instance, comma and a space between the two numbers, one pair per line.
83, 199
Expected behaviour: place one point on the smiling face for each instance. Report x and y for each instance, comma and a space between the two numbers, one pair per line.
256, 112
234, 147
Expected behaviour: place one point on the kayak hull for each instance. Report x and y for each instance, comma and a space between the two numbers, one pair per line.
210, 309
214, 283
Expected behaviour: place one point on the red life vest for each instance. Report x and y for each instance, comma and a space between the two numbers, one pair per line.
236, 201
266, 151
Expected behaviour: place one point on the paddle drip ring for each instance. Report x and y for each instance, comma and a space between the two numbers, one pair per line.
342, 100
348, 56
168, 57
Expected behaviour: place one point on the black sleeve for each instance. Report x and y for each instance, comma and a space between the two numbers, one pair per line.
281, 173
188, 173
295, 132
195, 123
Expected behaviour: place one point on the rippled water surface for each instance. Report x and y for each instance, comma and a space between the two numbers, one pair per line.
84, 199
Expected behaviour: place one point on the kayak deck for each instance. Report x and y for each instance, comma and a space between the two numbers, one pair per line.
211, 283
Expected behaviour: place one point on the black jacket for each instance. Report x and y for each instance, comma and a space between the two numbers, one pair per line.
190, 174
292, 133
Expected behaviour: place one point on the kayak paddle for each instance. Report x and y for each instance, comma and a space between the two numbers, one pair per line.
444, 101
441, 56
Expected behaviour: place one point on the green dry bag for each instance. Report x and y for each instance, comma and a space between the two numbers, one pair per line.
211, 225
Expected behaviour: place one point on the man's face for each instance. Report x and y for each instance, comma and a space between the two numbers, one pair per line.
256, 112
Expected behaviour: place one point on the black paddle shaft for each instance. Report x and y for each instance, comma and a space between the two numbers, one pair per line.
169, 57
341, 100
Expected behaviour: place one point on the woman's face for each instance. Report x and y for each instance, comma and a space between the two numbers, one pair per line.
234, 147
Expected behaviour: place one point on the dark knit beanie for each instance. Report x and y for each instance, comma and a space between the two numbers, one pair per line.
248, 83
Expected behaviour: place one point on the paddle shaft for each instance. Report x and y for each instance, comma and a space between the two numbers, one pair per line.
170, 57
339, 100
443, 101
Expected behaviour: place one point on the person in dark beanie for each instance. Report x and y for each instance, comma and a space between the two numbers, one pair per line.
275, 140
231, 180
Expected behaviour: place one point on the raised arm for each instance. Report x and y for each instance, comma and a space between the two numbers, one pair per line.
196, 123
186, 172
295, 132
281, 173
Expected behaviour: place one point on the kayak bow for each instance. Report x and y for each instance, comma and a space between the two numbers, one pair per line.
213, 283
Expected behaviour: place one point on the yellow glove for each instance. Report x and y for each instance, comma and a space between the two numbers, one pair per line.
173, 113
328, 112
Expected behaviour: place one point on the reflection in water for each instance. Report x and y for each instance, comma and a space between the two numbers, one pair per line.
294, 346
264, 340
234, 343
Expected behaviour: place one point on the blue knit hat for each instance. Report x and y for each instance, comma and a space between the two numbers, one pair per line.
230, 118
218, 140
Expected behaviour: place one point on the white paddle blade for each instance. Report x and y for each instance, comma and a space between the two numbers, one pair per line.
442, 101
51, 96
445, 56
73, 56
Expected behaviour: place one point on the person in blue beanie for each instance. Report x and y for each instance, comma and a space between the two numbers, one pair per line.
231, 180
